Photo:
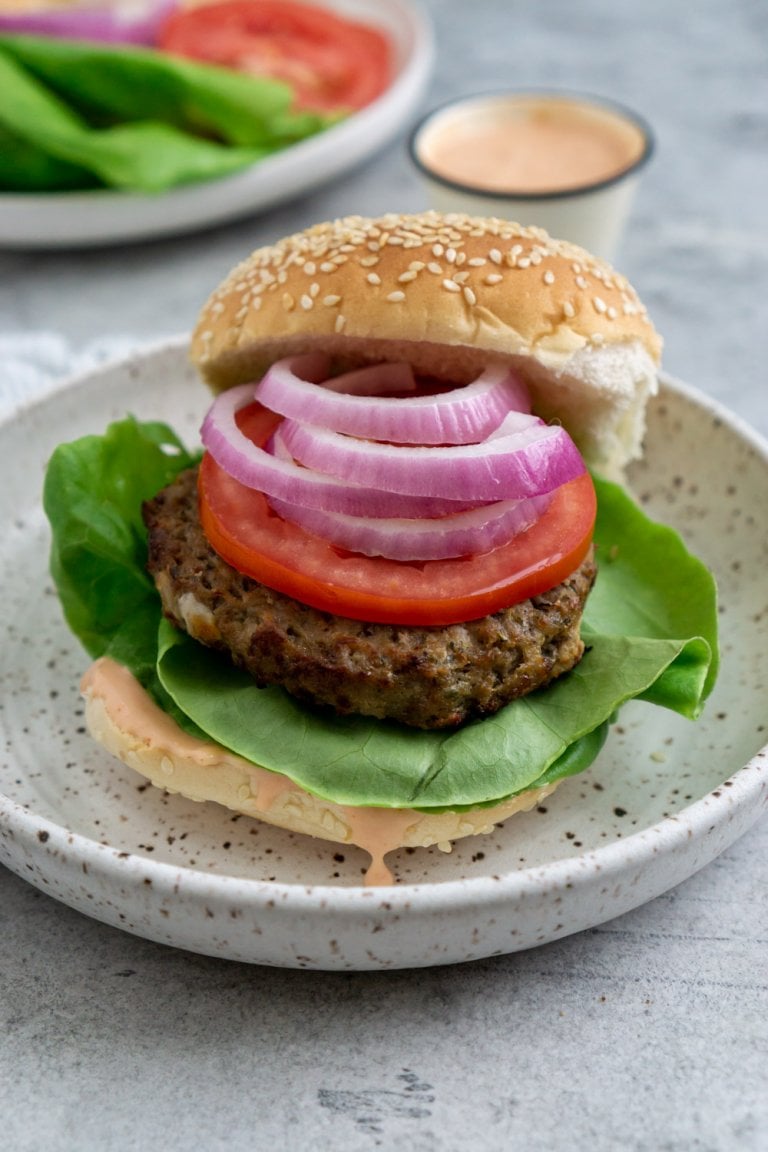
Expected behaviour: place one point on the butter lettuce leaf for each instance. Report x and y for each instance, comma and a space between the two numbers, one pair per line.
650, 627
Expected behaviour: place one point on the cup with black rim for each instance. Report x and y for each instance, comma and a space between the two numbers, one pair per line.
562, 161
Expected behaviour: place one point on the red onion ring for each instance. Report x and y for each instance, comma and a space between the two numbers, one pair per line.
467, 533
465, 415
507, 466
111, 24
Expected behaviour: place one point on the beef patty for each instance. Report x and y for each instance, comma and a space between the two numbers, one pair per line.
427, 677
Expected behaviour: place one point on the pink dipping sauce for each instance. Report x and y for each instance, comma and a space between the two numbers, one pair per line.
530, 145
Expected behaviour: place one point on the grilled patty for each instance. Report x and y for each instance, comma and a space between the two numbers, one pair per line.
427, 677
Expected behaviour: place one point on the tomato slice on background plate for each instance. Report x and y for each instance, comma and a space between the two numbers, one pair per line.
329, 61
245, 531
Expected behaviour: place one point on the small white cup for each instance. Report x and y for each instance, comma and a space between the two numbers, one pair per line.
561, 161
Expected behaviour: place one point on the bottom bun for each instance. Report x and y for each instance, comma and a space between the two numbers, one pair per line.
122, 717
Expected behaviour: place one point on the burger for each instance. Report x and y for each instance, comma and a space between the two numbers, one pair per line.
401, 591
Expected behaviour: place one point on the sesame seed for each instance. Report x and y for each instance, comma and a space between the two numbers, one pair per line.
369, 261
406, 277
217, 308
549, 277
396, 297
331, 301
569, 310
451, 285
495, 256
461, 277
450, 255
306, 302
581, 282
326, 266
612, 313
470, 296
310, 268
493, 278
373, 278
417, 265
477, 262
524, 262
437, 249
340, 323
435, 268
599, 304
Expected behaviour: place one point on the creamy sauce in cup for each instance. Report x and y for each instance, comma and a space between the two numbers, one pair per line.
544, 148
531, 146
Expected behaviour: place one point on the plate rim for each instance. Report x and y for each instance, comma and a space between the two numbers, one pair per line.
742, 790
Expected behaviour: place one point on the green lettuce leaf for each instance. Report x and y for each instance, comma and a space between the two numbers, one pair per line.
92, 495
133, 119
650, 627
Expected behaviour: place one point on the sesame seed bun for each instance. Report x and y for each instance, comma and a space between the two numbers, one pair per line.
448, 293
122, 717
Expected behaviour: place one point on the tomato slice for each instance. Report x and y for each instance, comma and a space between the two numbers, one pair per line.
329, 61
242, 527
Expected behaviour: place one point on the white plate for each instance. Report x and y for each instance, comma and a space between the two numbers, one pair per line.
663, 799
92, 218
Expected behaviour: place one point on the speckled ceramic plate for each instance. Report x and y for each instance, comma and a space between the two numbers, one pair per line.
92, 218
663, 799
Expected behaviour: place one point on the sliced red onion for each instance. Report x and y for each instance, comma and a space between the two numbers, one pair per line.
463, 415
375, 380
401, 480
468, 533
276, 474
126, 23
510, 466
313, 490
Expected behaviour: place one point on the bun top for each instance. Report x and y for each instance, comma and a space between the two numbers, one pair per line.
449, 293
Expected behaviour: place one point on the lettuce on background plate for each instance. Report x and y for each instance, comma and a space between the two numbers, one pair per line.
84, 115
650, 627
